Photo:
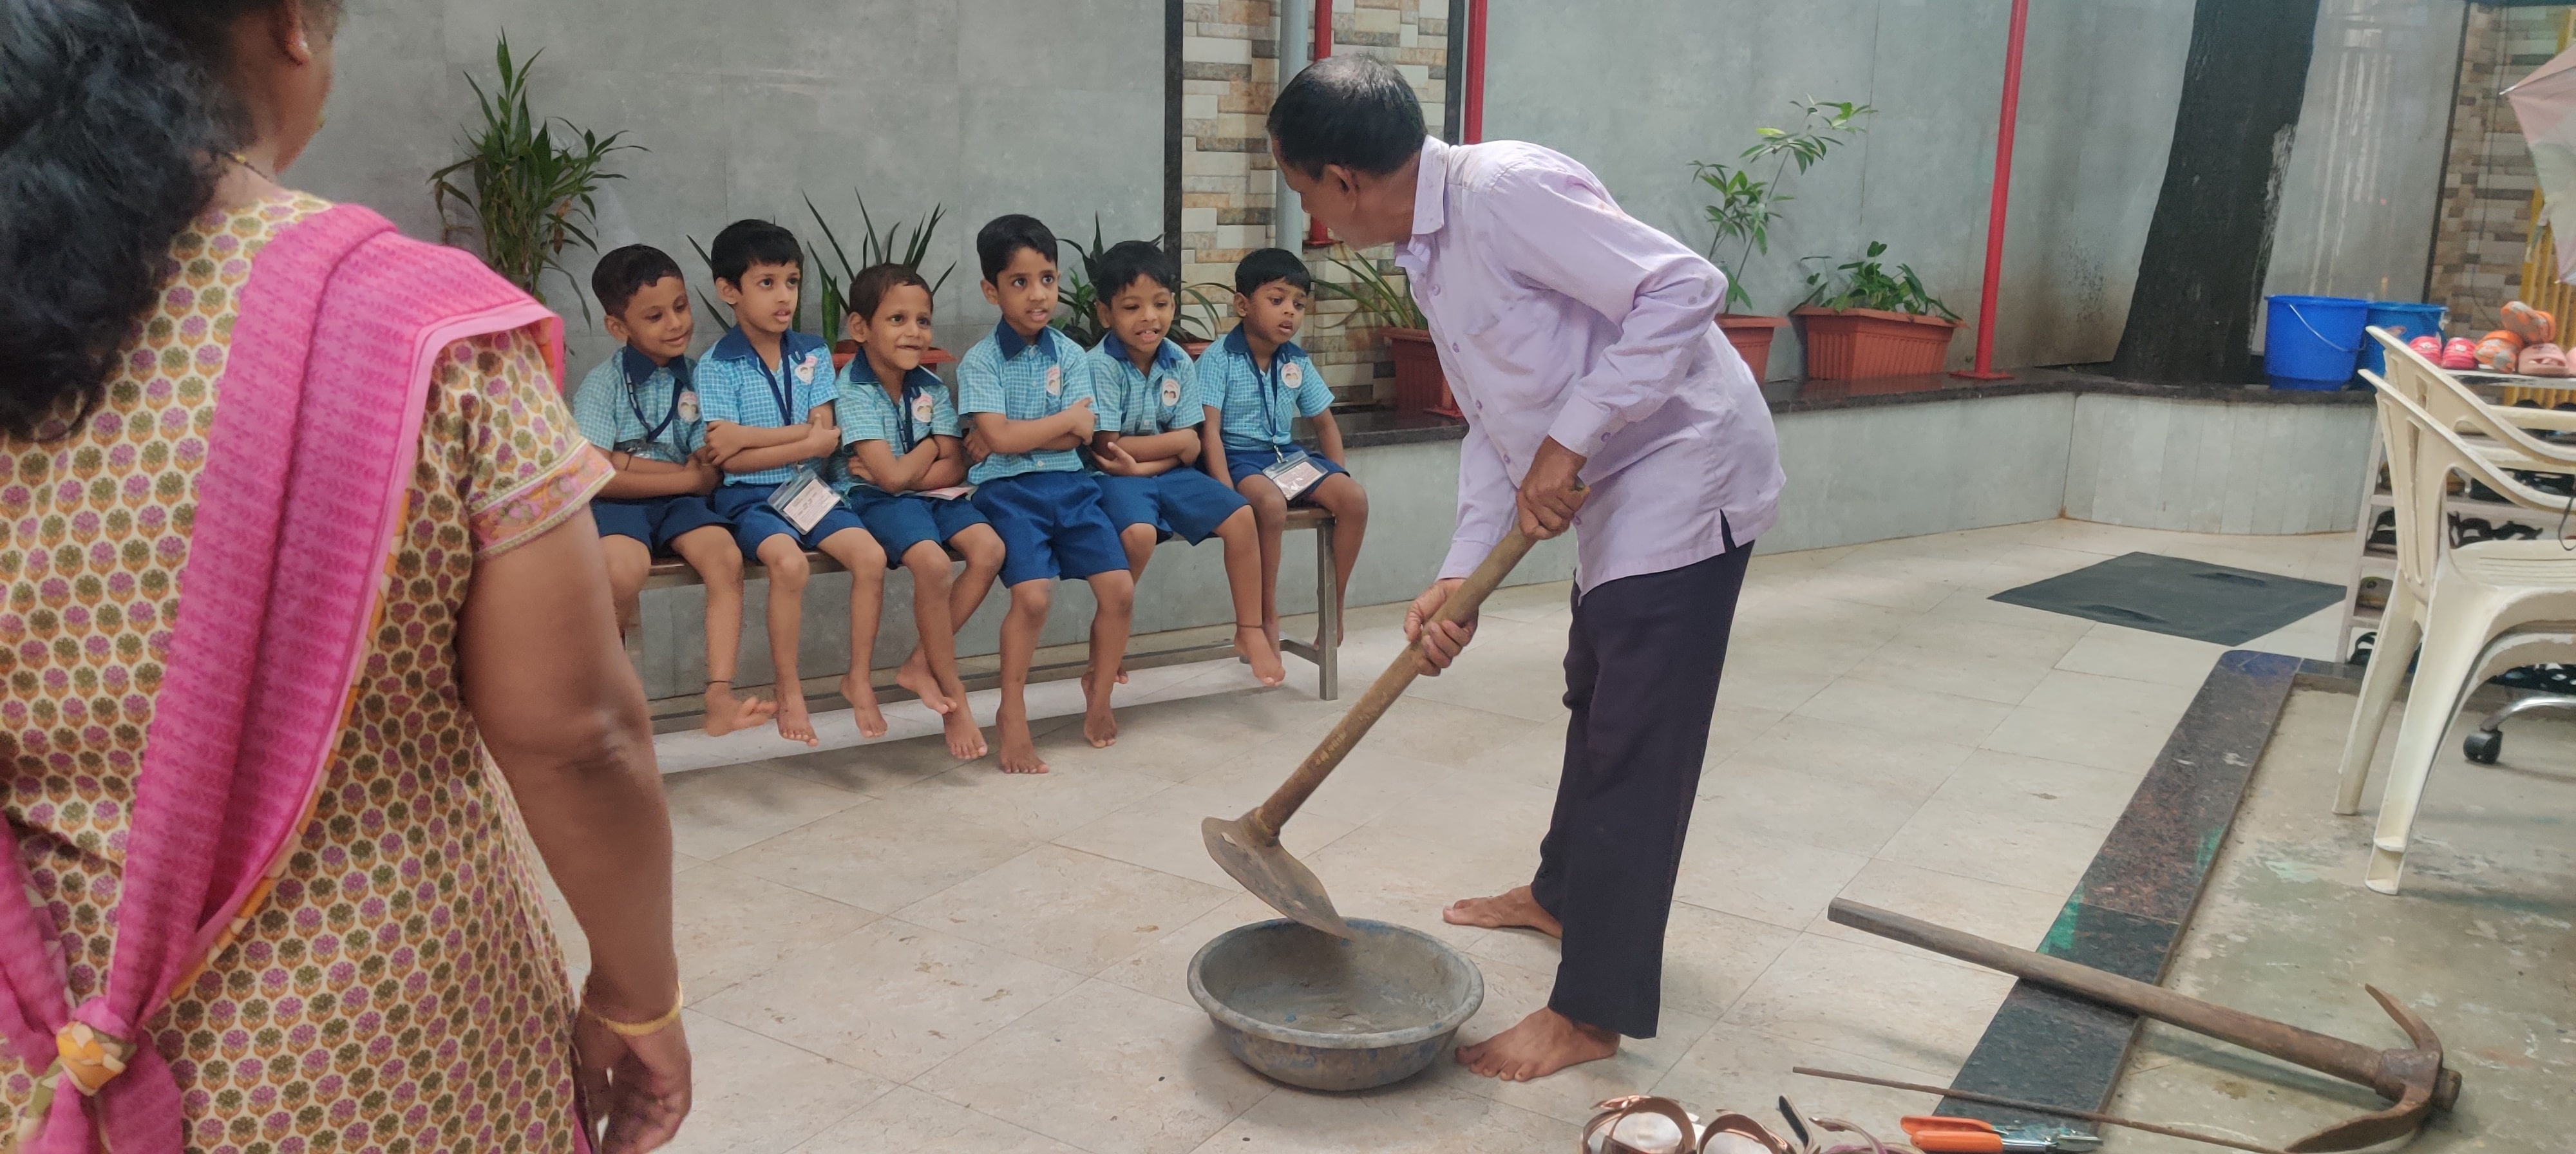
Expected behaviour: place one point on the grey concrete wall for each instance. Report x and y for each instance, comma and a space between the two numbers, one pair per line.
1902, 470
2213, 467
2363, 192
984, 106
1639, 89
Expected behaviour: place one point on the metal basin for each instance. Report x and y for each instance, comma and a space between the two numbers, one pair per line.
1317, 1011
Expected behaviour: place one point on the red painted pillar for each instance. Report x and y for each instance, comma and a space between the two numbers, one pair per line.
1471, 119
1996, 202
1316, 236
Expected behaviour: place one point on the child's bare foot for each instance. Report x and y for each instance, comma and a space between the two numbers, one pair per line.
1270, 629
914, 674
1542, 1044
792, 722
727, 713
1256, 648
863, 703
1099, 724
1019, 750
1516, 910
965, 740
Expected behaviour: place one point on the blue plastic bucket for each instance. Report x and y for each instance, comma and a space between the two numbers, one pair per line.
2406, 321
2312, 342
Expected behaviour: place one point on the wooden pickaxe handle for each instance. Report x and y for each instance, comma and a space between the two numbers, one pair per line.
1462, 604
2323, 1053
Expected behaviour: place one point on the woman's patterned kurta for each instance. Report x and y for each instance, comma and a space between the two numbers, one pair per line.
400, 992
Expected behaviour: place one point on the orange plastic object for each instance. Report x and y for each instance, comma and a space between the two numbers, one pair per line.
1938, 1135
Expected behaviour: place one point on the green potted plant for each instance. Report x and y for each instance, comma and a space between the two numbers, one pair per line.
1421, 385
1868, 322
527, 191
900, 243
1745, 208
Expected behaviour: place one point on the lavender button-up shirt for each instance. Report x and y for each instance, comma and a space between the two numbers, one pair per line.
1557, 315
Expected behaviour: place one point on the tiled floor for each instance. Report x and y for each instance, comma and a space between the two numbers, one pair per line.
890, 951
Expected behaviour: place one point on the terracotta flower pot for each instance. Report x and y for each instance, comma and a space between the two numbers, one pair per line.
1421, 386
1847, 343
843, 352
1751, 336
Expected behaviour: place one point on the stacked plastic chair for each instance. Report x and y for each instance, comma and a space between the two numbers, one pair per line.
2476, 609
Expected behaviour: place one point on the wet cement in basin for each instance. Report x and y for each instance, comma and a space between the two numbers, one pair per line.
1313, 1010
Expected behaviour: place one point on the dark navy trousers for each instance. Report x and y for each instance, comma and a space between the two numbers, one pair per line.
1641, 668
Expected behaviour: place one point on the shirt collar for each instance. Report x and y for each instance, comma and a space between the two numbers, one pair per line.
1430, 189
734, 346
1240, 345
863, 373
1165, 355
640, 368
1010, 340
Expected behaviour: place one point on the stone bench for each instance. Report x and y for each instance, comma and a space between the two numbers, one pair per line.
671, 713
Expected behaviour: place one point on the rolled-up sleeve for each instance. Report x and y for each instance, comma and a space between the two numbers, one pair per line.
1485, 507
1561, 232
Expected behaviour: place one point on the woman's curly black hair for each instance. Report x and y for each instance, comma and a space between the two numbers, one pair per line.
114, 122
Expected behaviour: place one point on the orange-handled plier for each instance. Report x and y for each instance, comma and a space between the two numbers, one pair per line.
1938, 1135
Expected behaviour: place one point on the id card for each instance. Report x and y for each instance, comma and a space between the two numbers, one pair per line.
949, 492
803, 499
1294, 475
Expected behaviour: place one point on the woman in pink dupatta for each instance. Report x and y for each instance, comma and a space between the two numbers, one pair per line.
306, 635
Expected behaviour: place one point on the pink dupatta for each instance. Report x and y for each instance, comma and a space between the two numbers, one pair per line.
317, 425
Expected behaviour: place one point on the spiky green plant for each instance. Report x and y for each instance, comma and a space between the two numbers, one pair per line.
1380, 297
527, 191
903, 243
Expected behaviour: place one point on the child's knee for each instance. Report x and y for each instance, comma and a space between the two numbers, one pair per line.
983, 551
1136, 537
1236, 524
1032, 598
786, 563
1115, 591
929, 565
1347, 500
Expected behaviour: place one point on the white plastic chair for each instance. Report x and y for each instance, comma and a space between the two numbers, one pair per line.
2456, 602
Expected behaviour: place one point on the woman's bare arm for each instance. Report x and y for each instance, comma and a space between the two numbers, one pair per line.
548, 684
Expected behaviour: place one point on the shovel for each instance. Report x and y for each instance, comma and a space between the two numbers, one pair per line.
1248, 846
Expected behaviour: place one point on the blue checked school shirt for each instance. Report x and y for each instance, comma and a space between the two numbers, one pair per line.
630, 405
1257, 411
735, 385
1158, 398
865, 413
1024, 381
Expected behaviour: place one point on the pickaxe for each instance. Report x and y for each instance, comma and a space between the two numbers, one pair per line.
2415, 1077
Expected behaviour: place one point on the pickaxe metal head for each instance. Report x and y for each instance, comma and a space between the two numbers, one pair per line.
2415, 1077
1268, 870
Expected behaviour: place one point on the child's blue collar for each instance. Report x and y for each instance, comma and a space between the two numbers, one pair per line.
1011, 342
863, 373
734, 346
1241, 346
1167, 356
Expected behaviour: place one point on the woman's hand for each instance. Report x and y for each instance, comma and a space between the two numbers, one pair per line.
1441, 640
638, 1088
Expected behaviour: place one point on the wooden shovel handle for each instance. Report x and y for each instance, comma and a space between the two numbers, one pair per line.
1461, 605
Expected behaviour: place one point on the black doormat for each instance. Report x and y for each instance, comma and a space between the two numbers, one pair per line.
2185, 598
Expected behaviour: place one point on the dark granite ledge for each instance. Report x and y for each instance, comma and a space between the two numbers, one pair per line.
1363, 428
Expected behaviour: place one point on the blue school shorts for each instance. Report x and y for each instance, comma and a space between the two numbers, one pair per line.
1051, 526
1180, 502
754, 521
1243, 465
655, 521
903, 520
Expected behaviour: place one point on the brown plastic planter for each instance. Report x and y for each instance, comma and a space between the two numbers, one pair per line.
1751, 336
1847, 343
1421, 386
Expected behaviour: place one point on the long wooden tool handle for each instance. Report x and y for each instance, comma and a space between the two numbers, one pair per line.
1461, 605
2320, 1052
2036, 1108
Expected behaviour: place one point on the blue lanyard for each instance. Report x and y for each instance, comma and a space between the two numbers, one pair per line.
635, 382
1270, 398
778, 390
903, 417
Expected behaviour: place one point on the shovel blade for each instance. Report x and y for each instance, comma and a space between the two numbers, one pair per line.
1265, 868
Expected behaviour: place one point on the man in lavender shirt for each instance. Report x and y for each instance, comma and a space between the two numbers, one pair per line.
1582, 344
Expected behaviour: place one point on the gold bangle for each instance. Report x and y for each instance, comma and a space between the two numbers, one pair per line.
642, 1029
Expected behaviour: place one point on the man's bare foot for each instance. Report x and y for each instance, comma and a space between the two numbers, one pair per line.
1019, 750
965, 741
863, 703
727, 713
914, 674
792, 722
1542, 1044
1264, 657
1516, 910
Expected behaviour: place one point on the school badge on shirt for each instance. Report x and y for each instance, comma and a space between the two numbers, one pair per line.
688, 405
1292, 374
1171, 391
921, 408
805, 368
1055, 380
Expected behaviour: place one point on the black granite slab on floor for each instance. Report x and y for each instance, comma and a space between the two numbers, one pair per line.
2128, 912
